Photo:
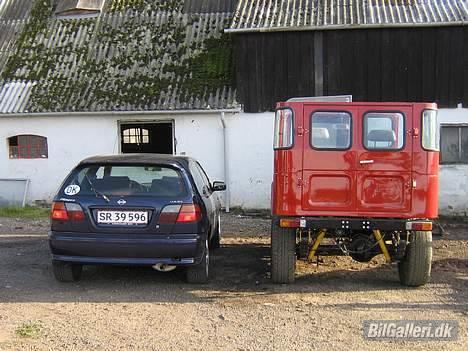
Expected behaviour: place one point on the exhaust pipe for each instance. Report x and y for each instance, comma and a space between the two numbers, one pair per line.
162, 267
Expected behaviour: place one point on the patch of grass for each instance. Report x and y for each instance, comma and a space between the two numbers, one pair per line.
30, 330
24, 212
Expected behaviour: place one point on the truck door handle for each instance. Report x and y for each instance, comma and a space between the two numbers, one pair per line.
363, 162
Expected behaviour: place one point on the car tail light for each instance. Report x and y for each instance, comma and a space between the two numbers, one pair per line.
180, 213
421, 226
169, 214
189, 213
59, 212
67, 212
75, 212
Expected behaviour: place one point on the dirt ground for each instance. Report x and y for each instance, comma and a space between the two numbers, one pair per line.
120, 308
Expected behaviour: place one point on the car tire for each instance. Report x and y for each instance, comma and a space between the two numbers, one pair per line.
415, 267
215, 242
199, 273
66, 272
283, 254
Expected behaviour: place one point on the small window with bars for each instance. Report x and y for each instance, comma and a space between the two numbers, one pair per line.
136, 136
454, 144
28, 147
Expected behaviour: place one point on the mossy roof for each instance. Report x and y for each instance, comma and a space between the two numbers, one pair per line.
136, 55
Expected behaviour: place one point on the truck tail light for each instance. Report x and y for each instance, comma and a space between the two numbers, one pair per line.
62, 211
290, 223
420, 226
189, 213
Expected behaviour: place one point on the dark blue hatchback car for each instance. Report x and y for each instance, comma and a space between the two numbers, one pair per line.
135, 209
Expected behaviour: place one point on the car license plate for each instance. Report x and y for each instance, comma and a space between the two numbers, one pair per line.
122, 217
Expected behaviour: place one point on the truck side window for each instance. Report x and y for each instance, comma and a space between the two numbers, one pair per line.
384, 131
330, 130
430, 130
283, 138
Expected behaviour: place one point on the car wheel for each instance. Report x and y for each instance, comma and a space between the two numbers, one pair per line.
415, 267
66, 272
199, 273
283, 254
215, 242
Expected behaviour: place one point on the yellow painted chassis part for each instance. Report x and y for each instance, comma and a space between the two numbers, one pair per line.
377, 235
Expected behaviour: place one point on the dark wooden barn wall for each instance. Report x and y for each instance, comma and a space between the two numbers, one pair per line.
416, 64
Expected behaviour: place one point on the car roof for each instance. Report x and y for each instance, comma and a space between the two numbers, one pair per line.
138, 158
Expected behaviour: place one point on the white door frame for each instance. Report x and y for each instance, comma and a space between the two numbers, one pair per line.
121, 123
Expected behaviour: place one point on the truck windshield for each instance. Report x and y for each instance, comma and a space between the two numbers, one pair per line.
119, 180
430, 130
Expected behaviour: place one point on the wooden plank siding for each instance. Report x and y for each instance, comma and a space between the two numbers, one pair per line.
403, 64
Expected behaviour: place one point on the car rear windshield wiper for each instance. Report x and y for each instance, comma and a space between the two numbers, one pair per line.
93, 189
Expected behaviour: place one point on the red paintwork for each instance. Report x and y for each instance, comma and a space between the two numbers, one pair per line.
309, 182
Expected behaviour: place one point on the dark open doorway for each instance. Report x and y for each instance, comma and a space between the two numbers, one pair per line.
147, 138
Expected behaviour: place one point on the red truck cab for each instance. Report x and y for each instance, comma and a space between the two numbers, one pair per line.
355, 172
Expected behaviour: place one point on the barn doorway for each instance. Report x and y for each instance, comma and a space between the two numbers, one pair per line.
147, 137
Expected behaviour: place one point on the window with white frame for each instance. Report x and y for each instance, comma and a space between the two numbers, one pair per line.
454, 144
135, 136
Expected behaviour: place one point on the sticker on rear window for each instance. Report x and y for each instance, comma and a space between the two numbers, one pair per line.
72, 190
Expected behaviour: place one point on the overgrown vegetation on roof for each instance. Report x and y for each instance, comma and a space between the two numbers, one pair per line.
140, 5
137, 56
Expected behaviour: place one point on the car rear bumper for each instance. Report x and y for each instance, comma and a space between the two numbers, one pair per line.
92, 248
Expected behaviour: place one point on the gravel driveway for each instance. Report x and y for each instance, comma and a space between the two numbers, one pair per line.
119, 308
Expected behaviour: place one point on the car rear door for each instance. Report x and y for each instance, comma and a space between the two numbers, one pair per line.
115, 196
204, 188
329, 160
384, 161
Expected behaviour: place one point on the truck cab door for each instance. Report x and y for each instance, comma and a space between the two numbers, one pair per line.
329, 160
384, 179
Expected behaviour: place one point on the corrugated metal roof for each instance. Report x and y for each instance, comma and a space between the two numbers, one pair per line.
14, 96
15, 9
13, 14
274, 15
9, 31
209, 6
70, 84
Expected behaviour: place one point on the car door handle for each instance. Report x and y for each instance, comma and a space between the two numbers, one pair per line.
363, 162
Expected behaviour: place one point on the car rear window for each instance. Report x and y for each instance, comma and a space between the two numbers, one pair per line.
121, 180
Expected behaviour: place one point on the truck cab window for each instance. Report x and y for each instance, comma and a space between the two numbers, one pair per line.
384, 131
331, 130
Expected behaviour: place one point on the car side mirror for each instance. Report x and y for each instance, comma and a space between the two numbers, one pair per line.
219, 186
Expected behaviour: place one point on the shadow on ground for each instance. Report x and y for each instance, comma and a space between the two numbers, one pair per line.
239, 271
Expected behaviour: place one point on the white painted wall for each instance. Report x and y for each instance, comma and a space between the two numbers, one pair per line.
453, 193
250, 137
250, 155
72, 138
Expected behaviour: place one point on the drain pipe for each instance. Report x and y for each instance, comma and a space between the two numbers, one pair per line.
227, 194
